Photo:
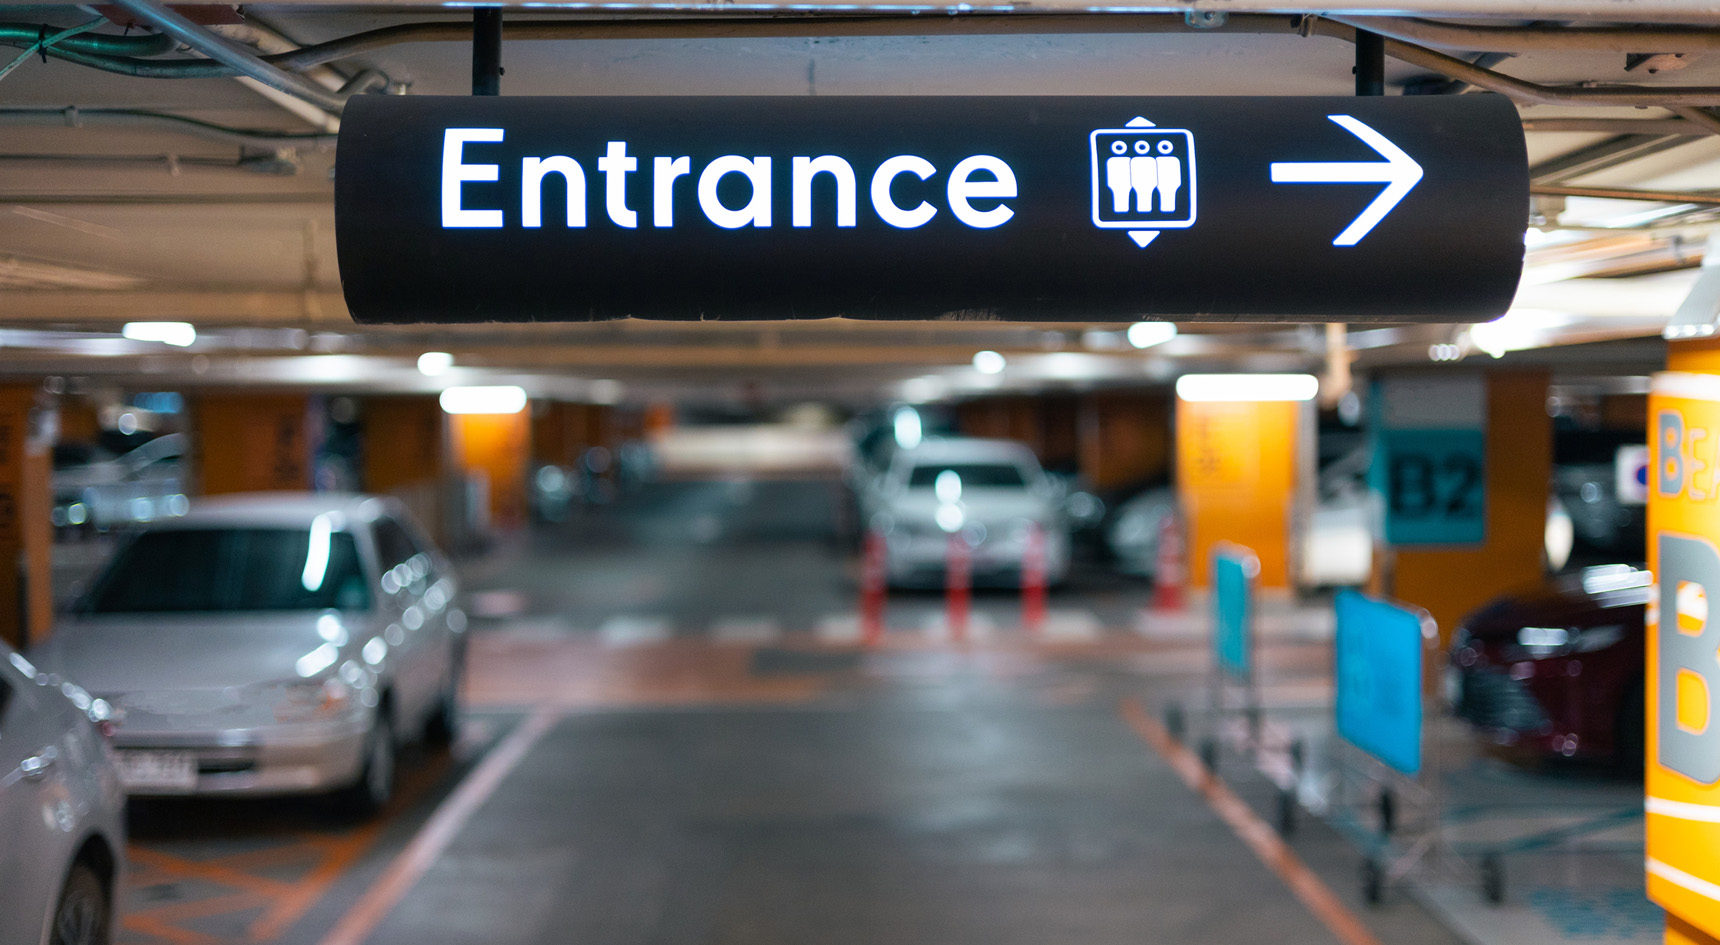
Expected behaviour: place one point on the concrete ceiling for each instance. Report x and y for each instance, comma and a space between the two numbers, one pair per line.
101, 225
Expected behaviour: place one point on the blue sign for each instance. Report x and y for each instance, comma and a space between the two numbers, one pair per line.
1379, 652
1233, 610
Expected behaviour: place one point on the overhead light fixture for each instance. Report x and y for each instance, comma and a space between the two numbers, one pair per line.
504, 399
178, 334
1147, 334
989, 362
1699, 315
432, 363
1247, 387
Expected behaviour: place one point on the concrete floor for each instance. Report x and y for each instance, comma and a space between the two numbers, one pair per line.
669, 743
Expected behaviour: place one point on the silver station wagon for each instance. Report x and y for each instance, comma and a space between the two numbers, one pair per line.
270, 644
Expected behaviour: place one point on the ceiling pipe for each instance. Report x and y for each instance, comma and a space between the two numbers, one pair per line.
1620, 193
1532, 93
271, 69
230, 53
75, 117
1512, 39
1614, 126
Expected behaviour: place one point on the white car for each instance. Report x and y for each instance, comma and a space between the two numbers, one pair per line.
990, 494
270, 644
62, 811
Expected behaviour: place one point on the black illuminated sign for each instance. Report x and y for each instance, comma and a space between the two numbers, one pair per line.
1024, 208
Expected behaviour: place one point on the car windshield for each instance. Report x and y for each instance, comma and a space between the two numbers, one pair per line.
973, 475
234, 569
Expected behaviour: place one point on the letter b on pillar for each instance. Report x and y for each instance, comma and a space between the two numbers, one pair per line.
1670, 464
1689, 674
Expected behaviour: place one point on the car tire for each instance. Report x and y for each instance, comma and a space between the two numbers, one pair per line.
83, 915
375, 784
444, 723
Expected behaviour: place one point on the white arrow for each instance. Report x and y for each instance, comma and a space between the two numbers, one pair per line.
1398, 172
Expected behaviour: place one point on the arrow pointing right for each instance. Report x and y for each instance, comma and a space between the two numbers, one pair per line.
1399, 172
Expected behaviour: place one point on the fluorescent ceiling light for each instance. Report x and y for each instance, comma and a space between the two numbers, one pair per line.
432, 363
1247, 387
179, 334
506, 399
1147, 334
988, 362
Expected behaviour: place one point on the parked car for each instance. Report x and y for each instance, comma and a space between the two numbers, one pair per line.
99, 491
1558, 670
270, 644
991, 493
62, 811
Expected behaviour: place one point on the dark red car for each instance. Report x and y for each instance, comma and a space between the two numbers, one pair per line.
1558, 670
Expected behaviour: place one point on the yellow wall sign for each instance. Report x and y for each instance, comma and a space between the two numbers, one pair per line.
1236, 481
1683, 738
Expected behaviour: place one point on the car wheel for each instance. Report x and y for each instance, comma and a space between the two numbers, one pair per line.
82, 916
444, 723
375, 784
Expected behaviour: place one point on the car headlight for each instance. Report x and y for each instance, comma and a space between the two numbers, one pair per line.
1540, 642
312, 699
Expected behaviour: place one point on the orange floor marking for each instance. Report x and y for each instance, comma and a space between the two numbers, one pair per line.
283, 902
1260, 838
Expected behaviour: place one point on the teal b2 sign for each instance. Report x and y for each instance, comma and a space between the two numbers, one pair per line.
1433, 483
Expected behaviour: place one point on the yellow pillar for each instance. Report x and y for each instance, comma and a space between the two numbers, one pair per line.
1236, 481
496, 447
1451, 582
1683, 679
26, 535
251, 442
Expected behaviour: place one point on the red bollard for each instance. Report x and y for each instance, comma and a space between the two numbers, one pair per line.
872, 589
1033, 582
1170, 570
958, 580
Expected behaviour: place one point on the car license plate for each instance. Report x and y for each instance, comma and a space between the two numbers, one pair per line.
157, 770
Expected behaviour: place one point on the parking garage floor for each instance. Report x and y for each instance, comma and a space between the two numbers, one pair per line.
673, 736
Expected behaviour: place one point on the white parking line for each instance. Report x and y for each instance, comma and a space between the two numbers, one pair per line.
624, 630
744, 630
1070, 626
1172, 624
838, 628
499, 603
439, 831
936, 627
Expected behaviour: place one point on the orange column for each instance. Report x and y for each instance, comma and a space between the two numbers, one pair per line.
1125, 439
404, 455
1236, 481
1451, 582
403, 443
496, 447
26, 536
1682, 781
251, 442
